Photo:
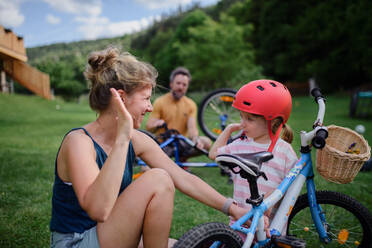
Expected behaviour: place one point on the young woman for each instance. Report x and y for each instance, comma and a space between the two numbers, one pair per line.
95, 203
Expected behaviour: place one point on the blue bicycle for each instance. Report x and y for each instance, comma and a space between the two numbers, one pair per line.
314, 219
178, 147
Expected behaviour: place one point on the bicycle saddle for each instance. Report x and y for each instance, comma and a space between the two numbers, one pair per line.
249, 162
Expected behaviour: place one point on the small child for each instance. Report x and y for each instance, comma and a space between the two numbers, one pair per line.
264, 106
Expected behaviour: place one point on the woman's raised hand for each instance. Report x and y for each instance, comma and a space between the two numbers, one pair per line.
122, 116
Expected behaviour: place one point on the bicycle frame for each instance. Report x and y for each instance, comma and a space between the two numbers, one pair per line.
290, 188
174, 139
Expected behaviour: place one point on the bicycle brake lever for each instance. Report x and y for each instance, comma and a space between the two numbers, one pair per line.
231, 166
263, 175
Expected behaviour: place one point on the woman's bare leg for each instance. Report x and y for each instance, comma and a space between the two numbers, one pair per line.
171, 243
144, 208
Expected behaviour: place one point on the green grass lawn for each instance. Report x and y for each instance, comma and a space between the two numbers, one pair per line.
31, 130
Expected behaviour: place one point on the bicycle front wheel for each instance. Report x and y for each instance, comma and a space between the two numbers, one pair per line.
216, 112
347, 222
204, 235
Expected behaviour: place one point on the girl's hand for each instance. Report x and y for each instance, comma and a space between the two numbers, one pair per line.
267, 226
233, 127
122, 116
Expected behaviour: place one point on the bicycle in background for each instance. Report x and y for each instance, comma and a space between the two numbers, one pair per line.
178, 147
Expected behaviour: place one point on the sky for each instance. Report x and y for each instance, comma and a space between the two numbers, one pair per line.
44, 22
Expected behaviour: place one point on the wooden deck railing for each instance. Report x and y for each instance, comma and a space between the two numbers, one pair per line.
30, 77
12, 45
13, 57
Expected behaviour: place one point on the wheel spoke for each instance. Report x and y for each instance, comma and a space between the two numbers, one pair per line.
212, 107
343, 225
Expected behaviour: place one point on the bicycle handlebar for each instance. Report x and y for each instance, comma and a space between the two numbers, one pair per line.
164, 125
319, 133
319, 139
320, 100
169, 132
316, 94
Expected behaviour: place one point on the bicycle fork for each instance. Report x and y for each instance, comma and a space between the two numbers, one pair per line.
305, 174
317, 213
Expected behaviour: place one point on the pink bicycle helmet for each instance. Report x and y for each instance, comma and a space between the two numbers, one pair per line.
268, 98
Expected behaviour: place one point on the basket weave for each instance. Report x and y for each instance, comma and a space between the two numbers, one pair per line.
333, 163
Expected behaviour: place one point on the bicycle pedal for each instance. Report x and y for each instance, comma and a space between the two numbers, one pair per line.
288, 242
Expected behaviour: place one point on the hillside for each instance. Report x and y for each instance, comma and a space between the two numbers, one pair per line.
141, 39
55, 51
236, 41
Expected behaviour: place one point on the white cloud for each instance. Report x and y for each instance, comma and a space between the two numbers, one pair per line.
52, 19
77, 7
158, 4
98, 27
90, 23
10, 15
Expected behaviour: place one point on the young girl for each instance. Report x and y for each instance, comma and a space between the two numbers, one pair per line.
264, 106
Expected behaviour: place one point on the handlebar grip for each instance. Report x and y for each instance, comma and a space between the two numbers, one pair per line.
164, 125
316, 94
319, 139
205, 152
194, 145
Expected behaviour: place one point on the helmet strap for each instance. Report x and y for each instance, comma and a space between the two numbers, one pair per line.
274, 138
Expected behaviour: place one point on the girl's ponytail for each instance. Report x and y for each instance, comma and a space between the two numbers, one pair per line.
287, 133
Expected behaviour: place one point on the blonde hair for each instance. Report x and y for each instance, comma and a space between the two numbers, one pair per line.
287, 133
111, 69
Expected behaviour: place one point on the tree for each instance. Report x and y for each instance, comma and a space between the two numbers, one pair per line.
66, 75
326, 39
215, 53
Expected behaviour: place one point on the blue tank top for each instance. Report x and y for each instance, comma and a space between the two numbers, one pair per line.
67, 215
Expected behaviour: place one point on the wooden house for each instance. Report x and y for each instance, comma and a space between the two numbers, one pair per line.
13, 65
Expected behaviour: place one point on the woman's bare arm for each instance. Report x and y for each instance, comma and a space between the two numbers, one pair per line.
187, 183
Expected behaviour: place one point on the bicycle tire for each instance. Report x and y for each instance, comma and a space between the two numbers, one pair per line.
204, 235
344, 215
219, 100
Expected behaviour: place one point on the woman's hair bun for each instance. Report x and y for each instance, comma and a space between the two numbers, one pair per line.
110, 68
103, 59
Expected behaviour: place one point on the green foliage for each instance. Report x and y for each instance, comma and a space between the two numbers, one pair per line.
65, 63
327, 40
214, 52
66, 75
83, 48
221, 7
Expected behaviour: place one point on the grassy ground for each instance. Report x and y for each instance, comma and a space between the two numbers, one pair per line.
31, 130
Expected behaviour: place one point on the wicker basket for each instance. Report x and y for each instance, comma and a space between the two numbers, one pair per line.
333, 163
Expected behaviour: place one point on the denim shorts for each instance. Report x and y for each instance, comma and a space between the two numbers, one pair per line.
87, 239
